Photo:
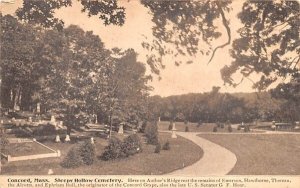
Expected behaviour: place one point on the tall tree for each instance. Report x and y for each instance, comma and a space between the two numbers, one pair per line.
20, 68
269, 42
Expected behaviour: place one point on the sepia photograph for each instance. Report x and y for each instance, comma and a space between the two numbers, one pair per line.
167, 88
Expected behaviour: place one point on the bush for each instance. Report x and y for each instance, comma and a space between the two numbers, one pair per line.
222, 125
170, 126
247, 128
3, 142
131, 145
45, 130
186, 129
229, 128
186, 122
157, 148
215, 129
199, 124
73, 159
87, 152
239, 127
151, 133
113, 150
143, 127
167, 146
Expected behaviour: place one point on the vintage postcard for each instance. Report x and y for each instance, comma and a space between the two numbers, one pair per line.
150, 93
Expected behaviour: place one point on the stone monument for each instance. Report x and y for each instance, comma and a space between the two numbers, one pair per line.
173, 131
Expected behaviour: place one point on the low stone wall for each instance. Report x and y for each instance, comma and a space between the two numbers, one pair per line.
29, 157
52, 152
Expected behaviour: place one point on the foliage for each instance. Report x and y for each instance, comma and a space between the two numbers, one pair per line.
113, 150
3, 142
151, 133
239, 127
268, 43
247, 128
44, 130
215, 129
73, 158
186, 129
170, 126
42, 12
166, 146
132, 145
229, 128
87, 152
117, 149
157, 148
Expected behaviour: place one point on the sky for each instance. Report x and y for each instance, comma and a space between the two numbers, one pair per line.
187, 78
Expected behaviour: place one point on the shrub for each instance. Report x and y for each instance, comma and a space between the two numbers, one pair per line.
87, 152
229, 128
186, 129
199, 124
167, 146
222, 125
170, 126
157, 148
239, 127
44, 130
247, 128
186, 122
131, 145
21, 133
215, 129
3, 142
151, 133
113, 150
143, 127
73, 159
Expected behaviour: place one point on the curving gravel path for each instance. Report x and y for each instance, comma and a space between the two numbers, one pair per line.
216, 159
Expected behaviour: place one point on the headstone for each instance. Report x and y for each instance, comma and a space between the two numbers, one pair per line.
30, 119
92, 140
38, 107
1, 121
13, 119
50, 172
57, 138
173, 131
52, 119
158, 119
34, 139
67, 139
121, 131
96, 120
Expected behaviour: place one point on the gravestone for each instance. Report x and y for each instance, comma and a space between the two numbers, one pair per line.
92, 140
38, 108
30, 119
173, 131
57, 138
52, 119
121, 131
67, 139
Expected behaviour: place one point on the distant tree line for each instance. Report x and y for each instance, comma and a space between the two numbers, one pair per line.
214, 106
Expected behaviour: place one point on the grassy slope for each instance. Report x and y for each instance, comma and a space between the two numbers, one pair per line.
262, 154
183, 153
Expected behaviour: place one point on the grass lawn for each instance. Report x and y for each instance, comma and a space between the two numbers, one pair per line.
193, 127
27, 148
262, 154
182, 153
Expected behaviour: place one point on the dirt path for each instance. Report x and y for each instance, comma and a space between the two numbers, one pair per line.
216, 159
